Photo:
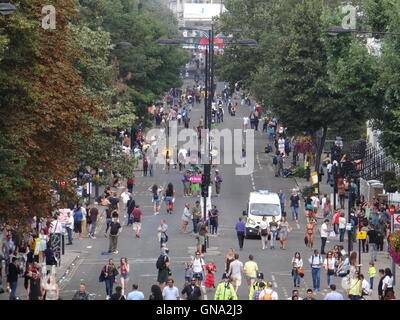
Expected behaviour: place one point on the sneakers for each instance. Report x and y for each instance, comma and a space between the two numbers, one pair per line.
108, 297
105, 234
116, 252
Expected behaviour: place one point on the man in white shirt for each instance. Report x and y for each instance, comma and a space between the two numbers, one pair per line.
69, 225
324, 235
235, 272
315, 203
342, 227
246, 121
170, 292
125, 196
198, 268
333, 295
366, 287
329, 172
316, 263
268, 291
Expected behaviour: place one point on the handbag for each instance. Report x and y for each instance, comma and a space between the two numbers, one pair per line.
102, 277
300, 272
331, 272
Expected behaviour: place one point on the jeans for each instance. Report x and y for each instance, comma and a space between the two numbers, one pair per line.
330, 279
353, 297
342, 233
273, 237
69, 232
372, 251
240, 235
13, 287
316, 278
214, 225
113, 243
109, 285
296, 278
195, 222
323, 242
371, 282
93, 227
295, 212
329, 180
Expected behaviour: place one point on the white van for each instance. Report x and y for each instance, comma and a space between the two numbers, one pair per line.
261, 203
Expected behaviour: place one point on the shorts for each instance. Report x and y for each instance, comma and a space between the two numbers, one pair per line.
200, 240
198, 275
78, 227
156, 201
136, 226
250, 278
126, 276
168, 199
108, 220
236, 280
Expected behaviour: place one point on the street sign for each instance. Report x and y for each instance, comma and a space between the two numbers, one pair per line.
396, 220
392, 210
361, 235
314, 177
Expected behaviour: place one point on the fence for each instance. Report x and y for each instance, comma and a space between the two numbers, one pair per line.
375, 162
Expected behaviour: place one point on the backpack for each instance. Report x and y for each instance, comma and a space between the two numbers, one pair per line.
275, 160
267, 296
160, 262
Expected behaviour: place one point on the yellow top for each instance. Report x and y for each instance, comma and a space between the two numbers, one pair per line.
250, 269
355, 287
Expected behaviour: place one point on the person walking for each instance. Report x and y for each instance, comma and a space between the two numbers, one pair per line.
342, 227
235, 272
387, 283
251, 270
214, 213
380, 284
225, 290
169, 197
69, 226
325, 230
210, 278
329, 265
186, 217
50, 289
297, 267
240, 231
170, 292
162, 232
284, 229
108, 274
263, 232
316, 263
124, 274
78, 217
12, 278
198, 267
218, 182
282, 198
273, 229
268, 293
137, 221
93, 215
115, 231
135, 294
163, 265
192, 291
196, 215
145, 166
309, 236
372, 241
130, 207
294, 205
125, 196
156, 191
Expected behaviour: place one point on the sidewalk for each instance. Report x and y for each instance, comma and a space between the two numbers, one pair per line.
383, 258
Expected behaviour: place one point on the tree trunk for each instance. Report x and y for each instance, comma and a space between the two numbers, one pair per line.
320, 148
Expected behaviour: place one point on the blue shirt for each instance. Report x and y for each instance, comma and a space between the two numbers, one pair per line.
333, 295
78, 216
135, 295
240, 226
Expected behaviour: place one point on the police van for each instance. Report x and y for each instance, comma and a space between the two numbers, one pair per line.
261, 203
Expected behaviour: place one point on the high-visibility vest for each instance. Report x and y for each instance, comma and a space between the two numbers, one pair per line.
254, 288
223, 293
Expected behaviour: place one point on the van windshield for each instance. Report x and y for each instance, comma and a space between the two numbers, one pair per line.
264, 209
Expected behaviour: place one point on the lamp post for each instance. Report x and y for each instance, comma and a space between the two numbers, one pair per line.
209, 96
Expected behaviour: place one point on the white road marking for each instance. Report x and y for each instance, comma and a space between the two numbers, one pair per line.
298, 226
275, 285
273, 278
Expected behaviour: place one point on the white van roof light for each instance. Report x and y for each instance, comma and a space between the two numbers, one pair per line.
263, 192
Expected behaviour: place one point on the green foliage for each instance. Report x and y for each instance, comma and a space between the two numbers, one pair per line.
390, 182
307, 191
299, 172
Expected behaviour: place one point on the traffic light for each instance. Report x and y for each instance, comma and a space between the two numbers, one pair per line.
204, 190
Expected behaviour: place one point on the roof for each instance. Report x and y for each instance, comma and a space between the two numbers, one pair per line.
264, 196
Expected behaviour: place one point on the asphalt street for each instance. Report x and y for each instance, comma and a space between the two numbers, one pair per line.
142, 253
